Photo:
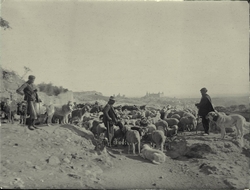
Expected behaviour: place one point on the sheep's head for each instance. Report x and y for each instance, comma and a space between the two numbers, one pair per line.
143, 131
124, 129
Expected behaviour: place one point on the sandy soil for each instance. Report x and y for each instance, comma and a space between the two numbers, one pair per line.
56, 157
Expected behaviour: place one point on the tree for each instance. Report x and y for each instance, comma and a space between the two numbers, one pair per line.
56, 90
233, 107
27, 69
4, 24
242, 107
51, 90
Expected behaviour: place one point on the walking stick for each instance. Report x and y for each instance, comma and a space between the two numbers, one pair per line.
108, 131
25, 113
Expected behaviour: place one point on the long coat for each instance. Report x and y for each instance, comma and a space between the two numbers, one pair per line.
205, 105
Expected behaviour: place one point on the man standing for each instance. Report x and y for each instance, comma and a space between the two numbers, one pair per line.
109, 118
162, 112
205, 106
29, 90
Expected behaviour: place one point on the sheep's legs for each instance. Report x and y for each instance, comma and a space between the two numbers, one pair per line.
133, 146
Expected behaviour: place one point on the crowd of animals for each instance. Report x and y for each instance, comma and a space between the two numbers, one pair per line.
136, 123
137, 126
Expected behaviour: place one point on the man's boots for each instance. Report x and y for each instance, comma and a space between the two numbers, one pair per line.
32, 125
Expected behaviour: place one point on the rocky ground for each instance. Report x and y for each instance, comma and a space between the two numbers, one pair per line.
60, 157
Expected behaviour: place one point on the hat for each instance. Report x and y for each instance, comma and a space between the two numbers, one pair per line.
112, 98
32, 77
203, 90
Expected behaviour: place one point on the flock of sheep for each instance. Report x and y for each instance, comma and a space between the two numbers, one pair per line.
138, 126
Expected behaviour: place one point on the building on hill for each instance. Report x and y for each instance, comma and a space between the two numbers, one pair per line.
154, 95
119, 95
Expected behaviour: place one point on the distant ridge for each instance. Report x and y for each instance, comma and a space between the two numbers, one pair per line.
89, 93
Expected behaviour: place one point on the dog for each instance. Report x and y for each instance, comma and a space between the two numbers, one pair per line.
222, 120
22, 111
50, 110
156, 156
6, 107
132, 137
64, 111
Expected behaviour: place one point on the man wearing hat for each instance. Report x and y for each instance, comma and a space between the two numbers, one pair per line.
29, 91
205, 106
109, 118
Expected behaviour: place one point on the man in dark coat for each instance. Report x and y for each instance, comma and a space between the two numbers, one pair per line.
109, 118
205, 106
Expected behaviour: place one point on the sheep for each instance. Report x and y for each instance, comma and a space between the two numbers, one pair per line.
157, 137
88, 124
141, 130
86, 116
132, 137
137, 122
153, 120
188, 115
147, 113
98, 129
179, 112
167, 114
192, 111
162, 124
172, 121
176, 116
118, 135
131, 122
151, 128
186, 122
171, 131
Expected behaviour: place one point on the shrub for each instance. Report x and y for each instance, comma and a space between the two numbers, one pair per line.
51, 90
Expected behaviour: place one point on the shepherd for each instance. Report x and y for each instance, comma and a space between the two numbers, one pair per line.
109, 118
205, 106
29, 91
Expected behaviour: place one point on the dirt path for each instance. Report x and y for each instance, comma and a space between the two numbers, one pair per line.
211, 164
131, 171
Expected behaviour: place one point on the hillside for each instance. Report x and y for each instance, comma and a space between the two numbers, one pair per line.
88, 96
11, 81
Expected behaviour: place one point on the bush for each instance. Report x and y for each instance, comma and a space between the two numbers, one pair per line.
51, 90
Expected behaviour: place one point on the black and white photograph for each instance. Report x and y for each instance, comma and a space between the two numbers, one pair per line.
124, 94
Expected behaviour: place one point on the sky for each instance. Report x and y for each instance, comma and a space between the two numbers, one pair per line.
130, 47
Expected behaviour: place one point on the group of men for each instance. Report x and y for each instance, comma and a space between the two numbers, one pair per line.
110, 118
